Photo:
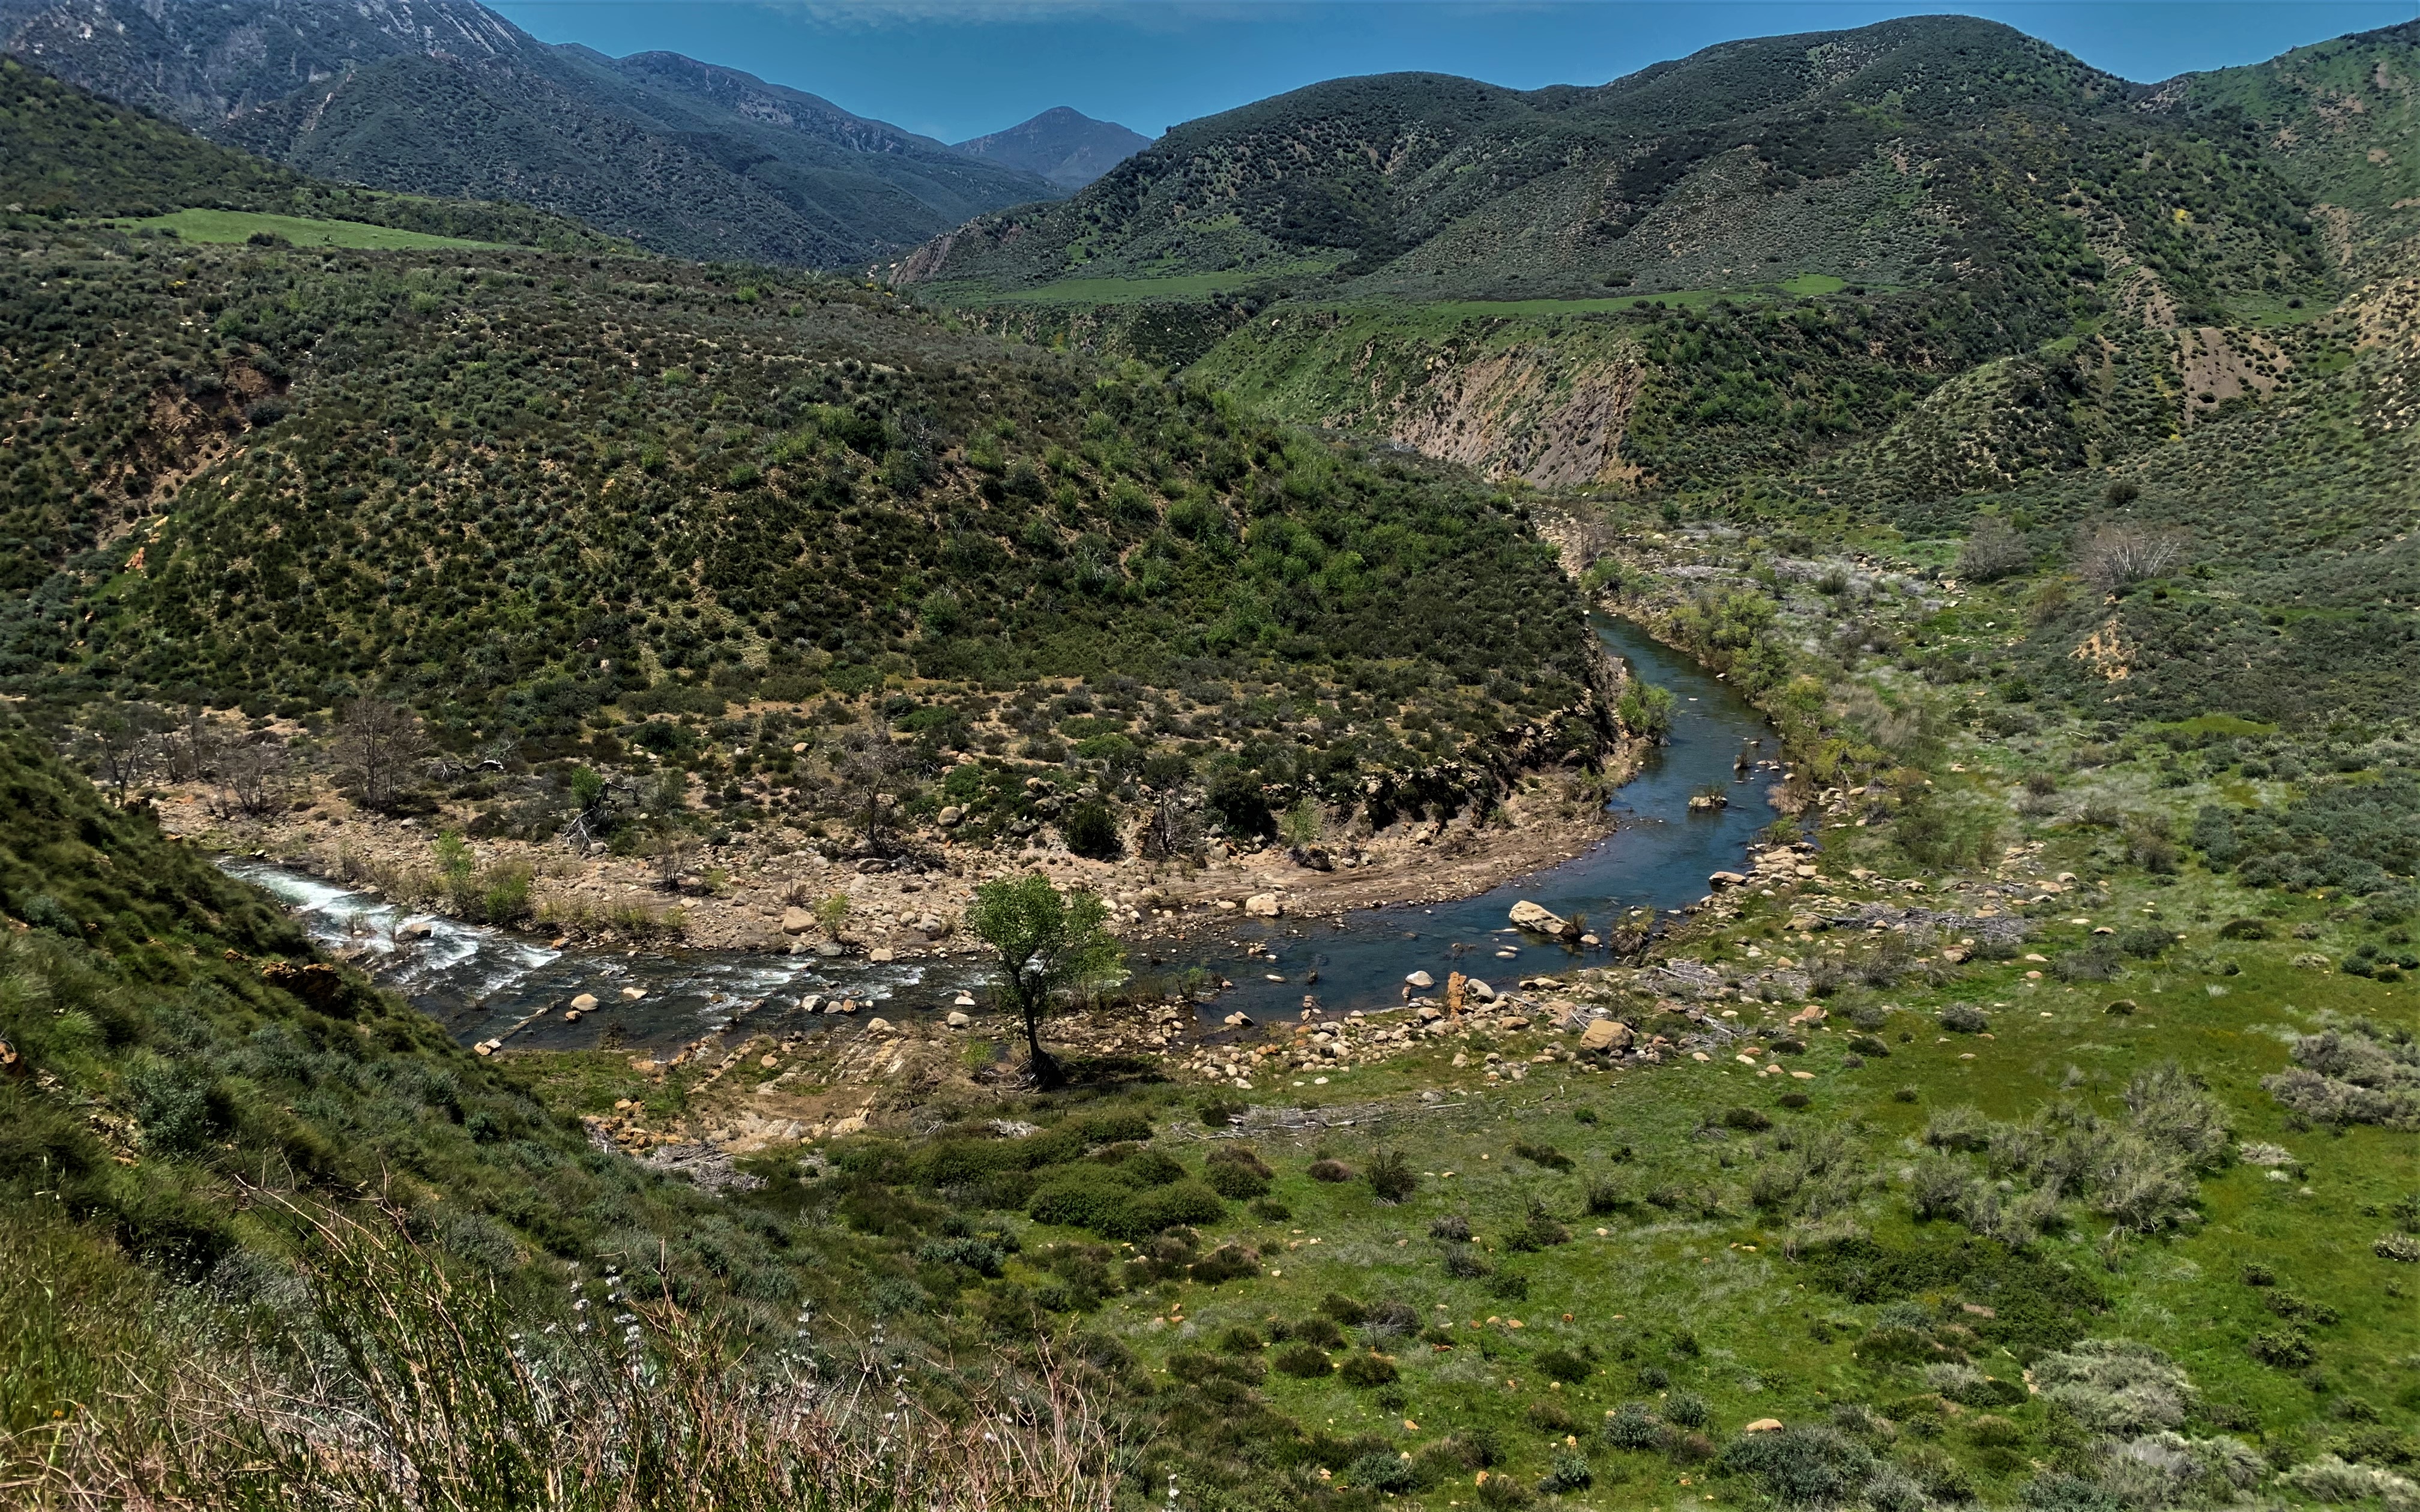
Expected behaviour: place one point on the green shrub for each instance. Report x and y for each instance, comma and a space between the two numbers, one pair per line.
1234, 1180
1379, 1471
1632, 1426
1801, 1466
1564, 1366
1567, 1471
2284, 1349
1546, 1155
1390, 1177
1092, 830
1368, 1370
1228, 1262
1306, 1362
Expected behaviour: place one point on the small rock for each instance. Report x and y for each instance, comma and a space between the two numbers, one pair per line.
878, 1026
584, 1001
958, 1019
1763, 1425
418, 929
631, 995
950, 817
881, 953
1263, 905
1727, 879
1421, 978
796, 922
829, 950
965, 1000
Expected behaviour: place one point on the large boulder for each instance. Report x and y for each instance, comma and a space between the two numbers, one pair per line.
796, 922
1263, 905
1606, 1034
1542, 921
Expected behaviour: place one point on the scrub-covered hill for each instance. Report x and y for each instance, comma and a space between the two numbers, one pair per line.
1933, 151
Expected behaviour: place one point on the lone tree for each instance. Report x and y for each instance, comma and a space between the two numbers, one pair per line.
377, 742
1051, 944
880, 773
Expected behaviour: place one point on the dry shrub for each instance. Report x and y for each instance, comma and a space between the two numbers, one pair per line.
2115, 556
419, 1391
1993, 550
2353, 1076
2117, 1385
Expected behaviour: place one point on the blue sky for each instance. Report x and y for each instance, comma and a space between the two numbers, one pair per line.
954, 68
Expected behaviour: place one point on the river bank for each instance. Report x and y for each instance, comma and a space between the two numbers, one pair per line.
760, 892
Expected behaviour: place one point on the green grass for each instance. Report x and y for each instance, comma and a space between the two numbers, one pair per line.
1174, 288
224, 227
1733, 1300
1811, 284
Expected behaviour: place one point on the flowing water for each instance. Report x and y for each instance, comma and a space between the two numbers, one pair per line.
480, 982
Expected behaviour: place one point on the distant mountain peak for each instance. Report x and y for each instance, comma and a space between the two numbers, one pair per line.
1062, 145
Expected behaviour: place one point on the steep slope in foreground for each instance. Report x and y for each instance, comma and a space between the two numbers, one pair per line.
444, 97
231, 1176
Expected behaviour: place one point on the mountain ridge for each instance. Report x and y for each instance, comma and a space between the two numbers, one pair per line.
444, 97
1700, 172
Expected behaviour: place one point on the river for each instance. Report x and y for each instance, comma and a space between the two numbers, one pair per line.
483, 982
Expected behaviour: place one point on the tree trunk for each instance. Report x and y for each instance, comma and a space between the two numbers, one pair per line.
1048, 1075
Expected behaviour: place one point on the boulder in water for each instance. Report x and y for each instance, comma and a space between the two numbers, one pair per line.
1541, 920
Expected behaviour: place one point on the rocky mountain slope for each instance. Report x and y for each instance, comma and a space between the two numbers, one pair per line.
444, 97
1067, 147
